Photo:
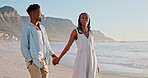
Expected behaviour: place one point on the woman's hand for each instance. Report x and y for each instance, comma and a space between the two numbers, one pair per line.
98, 69
55, 61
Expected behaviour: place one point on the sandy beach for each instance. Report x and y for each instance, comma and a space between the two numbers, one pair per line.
12, 65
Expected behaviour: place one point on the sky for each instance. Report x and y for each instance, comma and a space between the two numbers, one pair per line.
118, 19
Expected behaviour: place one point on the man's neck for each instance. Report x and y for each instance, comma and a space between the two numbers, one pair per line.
34, 22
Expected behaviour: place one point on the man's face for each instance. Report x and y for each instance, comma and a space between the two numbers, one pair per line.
37, 14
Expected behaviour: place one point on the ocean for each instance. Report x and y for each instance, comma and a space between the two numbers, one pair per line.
125, 58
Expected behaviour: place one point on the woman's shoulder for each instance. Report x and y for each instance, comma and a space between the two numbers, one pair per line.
74, 31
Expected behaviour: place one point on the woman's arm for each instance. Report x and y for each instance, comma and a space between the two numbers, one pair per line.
71, 40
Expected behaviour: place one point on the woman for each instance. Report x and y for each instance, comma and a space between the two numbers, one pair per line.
86, 61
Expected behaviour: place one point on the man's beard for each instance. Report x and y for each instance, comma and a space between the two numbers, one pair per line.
40, 20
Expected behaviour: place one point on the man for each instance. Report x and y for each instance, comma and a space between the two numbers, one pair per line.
35, 46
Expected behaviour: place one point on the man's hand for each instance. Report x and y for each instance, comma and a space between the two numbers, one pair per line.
30, 62
55, 59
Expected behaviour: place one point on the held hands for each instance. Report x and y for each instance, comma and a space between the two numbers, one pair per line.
55, 61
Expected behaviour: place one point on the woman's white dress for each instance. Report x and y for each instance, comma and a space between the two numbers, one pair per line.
85, 65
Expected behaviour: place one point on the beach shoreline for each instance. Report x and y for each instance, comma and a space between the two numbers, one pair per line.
13, 66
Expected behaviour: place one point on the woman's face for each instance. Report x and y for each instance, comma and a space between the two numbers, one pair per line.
84, 19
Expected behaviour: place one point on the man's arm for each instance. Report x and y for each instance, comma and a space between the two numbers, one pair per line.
25, 44
47, 42
54, 57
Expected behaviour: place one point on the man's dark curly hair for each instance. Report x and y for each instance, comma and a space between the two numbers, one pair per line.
32, 7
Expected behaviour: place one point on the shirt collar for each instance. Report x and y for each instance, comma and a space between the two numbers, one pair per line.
32, 24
